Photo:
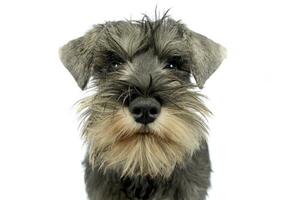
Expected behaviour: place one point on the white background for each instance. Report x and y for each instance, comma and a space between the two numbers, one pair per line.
255, 135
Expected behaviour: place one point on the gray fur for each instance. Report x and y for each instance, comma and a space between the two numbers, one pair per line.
128, 38
140, 51
207, 55
77, 59
189, 183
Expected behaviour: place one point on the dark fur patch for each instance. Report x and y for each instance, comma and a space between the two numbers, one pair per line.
190, 183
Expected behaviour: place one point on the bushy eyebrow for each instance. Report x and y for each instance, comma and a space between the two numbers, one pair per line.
128, 39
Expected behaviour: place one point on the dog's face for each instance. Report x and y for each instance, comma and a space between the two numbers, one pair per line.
144, 116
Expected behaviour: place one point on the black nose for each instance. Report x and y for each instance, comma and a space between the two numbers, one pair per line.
144, 109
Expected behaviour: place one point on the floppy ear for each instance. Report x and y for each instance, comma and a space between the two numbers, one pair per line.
207, 56
77, 58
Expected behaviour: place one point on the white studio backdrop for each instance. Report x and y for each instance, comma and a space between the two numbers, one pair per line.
254, 95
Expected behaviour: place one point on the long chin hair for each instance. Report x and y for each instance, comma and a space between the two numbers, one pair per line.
116, 142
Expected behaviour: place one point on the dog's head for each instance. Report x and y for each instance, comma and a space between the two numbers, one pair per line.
144, 116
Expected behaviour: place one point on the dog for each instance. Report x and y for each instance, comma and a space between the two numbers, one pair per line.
144, 120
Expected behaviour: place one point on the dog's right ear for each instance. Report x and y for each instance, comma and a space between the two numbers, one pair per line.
77, 58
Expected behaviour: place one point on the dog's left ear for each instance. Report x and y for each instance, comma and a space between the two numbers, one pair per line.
207, 56
77, 58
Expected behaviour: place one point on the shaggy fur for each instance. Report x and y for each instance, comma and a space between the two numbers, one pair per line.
168, 158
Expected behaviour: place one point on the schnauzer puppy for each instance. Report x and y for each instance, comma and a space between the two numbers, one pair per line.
143, 120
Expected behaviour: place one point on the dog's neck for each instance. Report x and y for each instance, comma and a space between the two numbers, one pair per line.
144, 187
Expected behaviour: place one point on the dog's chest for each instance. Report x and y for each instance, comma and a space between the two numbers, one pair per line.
139, 188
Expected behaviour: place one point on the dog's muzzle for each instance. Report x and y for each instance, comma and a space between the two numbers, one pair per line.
144, 109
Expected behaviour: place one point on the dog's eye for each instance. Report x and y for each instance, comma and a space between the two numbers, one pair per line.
176, 63
170, 66
114, 66
112, 61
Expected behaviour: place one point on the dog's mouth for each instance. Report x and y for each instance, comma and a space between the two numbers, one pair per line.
119, 142
141, 132
145, 130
